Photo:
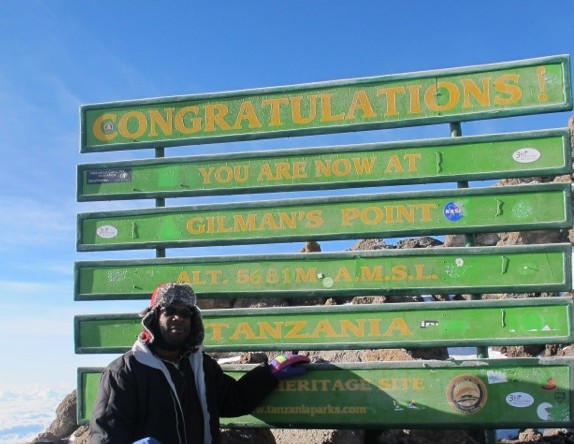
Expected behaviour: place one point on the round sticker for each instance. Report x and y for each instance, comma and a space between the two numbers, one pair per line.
543, 411
108, 127
519, 399
452, 211
328, 282
466, 394
107, 231
526, 155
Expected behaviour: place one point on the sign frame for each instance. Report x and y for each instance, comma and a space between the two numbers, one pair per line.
332, 167
100, 124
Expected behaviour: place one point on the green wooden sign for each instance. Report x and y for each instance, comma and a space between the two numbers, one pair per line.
344, 327
469, 93
485, 394
348, 217
406, 272
438, 160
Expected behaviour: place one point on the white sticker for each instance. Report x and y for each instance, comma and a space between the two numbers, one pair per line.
543, 411
107, 232
328, 282
495, 377
526, 155
519, 399
459, 262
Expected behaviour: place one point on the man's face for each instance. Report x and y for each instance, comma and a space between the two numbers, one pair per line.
175, 324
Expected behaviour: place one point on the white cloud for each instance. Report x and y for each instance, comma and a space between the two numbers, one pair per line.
28, 410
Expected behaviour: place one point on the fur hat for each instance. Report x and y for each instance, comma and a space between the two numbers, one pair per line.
172, 294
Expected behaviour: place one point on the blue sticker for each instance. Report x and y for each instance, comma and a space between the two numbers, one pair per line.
452, 211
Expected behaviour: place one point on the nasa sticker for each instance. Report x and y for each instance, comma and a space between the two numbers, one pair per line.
526, 155
466, 394
453, 211
107, 232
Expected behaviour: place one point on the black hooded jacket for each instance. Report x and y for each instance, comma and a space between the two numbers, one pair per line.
138, 399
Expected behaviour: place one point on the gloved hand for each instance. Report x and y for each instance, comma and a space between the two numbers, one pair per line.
285, 366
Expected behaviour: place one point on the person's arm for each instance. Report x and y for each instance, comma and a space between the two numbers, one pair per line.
240, 397
113, 418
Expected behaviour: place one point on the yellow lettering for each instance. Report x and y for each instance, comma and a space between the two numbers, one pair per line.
182, 117
243, 329
268, 222
506, 84
295, 331
414, 99
165, 124
314, 218
436, 100
361, 103
125, 128
412, 161
215, 116
216, 330
364, 165
183, 278
349, 328
394, 165
296, 113
470, 88
372, 275
206, 174
324, 328
283, 170
266, 328
275, 105
103, 127
343, 274
242, 223
391, 94
247, 112
195, 225
398, 325
327, 113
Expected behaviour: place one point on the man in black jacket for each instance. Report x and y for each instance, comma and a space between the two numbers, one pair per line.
166, 388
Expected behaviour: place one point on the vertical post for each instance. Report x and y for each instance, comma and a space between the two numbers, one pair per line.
469, 240
160, 201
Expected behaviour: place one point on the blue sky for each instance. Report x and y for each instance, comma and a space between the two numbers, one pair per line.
58, 55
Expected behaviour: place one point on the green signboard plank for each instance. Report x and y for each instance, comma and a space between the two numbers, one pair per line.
469, 93
415, 271
344, 327
437, 160
348, 217
481, 393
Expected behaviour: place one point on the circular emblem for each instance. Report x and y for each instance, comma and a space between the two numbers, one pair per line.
108, 127
466, 394
452, 211
107, 231
526, 155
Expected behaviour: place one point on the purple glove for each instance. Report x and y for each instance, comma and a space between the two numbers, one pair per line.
285, 366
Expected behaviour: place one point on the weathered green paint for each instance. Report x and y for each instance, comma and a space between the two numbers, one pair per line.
470, 93
485, 394
348, 217
416, 271
438, 160
440, 324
